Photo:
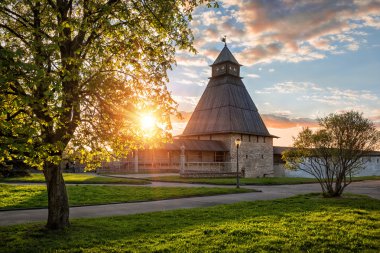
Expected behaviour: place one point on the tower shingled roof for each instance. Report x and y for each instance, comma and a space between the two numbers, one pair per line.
224, 56
225, 107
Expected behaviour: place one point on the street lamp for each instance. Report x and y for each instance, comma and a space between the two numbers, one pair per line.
237, 143
182, 160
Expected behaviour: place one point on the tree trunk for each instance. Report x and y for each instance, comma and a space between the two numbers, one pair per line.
58, 202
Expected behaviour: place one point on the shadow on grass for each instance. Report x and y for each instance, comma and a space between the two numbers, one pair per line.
297, 224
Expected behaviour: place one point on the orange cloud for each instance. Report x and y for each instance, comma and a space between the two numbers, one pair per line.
275, 121
287, 30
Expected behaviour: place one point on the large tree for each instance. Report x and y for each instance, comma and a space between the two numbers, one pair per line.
334, 153
75, 73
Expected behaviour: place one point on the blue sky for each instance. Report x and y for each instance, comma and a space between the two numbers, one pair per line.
302, 59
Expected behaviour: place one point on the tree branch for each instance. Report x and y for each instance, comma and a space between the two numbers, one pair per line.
10, 117
22, 38
24, 21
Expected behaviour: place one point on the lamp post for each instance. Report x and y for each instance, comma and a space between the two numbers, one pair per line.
237, 143
182, 160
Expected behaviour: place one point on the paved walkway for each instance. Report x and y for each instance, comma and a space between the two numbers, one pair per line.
370, 188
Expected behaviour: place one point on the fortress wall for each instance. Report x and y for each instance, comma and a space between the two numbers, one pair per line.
255, 155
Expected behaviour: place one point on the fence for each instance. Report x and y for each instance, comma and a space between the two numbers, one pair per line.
191, 169
120, 167
210, 169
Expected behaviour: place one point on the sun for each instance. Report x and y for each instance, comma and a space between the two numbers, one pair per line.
148, 122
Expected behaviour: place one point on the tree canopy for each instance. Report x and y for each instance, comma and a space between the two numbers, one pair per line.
75, 74
334, 152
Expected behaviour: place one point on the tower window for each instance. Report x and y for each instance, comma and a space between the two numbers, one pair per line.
219, 156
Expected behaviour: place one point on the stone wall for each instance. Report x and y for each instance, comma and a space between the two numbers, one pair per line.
255, 153
371, 168
279, 170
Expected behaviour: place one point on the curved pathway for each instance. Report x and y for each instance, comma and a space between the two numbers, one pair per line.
370, 188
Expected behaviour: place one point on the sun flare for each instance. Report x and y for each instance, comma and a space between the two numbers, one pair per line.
148, 122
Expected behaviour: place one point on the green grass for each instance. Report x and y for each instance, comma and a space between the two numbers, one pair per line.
72, 178
30, 196
249, 181
299, 224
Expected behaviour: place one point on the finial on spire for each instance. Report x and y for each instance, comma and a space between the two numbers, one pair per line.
224, 39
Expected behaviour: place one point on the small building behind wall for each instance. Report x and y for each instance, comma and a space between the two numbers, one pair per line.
199, 156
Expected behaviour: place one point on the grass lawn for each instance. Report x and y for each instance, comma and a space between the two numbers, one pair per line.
306, 223
28, 196
72, 178
249, 181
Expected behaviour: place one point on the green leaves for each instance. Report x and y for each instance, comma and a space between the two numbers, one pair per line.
76, 74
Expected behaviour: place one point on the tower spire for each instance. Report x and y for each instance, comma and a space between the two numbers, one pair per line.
225, 106
224, 39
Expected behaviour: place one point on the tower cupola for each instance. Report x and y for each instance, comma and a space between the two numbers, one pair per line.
225, 64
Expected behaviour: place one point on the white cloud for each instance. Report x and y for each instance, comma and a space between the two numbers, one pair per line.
282, 112
307, 92
252, 76
290, 87
191, 75
287, 30
184, 82
353, 46
186, 100
343, 98
185, 60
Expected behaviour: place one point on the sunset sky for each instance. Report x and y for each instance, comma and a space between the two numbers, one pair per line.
302, 59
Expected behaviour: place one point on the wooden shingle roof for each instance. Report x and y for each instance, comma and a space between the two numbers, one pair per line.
225, 56
225, 107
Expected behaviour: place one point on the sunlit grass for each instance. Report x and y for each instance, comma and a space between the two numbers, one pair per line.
249, 181
73, 178
299, 224
30, 196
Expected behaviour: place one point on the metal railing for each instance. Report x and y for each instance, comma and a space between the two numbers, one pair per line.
190, 167
221, 167
128, 166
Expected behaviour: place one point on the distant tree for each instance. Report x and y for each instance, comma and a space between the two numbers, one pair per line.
74, 74
334, 152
